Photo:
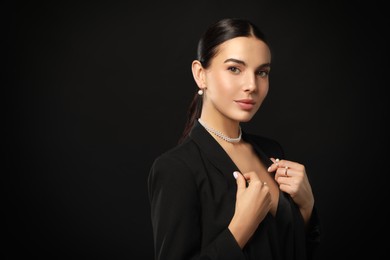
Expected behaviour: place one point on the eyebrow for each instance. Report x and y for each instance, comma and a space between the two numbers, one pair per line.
244, 64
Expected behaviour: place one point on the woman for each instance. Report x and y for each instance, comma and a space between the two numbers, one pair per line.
223, 193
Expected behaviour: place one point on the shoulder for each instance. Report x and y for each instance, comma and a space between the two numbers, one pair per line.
178, 156
174, 168
178, 160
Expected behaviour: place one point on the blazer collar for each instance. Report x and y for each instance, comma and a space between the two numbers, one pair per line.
217, 155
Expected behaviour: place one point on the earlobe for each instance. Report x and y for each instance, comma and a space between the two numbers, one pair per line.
198, 74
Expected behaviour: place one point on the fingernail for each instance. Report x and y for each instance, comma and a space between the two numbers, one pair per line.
235, 174
269, 168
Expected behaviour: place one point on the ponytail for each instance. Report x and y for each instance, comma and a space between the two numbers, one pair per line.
194, 112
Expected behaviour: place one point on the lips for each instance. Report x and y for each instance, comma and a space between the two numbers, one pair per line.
245, 104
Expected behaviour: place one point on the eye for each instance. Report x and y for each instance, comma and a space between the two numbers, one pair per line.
235, 70
263, 73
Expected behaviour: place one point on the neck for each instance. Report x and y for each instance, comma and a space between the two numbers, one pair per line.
234, 139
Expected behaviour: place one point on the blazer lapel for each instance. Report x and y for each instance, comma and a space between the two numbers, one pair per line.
217, 155
214, 152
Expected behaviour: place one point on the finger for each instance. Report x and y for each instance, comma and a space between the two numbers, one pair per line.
286, 188
290, 164
284, 172
251, 176
289, 172
285, 169
275, 165
241, 182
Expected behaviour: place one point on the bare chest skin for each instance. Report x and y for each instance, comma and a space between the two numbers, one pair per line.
246, 160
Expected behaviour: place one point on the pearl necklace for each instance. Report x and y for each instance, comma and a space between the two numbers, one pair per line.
220, 135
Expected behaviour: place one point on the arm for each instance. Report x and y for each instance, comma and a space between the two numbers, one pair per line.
313, 232
295, 182
176, 216
252, 205
292, 178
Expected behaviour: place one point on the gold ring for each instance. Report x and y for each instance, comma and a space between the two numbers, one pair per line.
285, 173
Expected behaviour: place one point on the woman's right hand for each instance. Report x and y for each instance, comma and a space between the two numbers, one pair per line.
253, 202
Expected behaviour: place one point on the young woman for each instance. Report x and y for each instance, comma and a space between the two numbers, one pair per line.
222, 193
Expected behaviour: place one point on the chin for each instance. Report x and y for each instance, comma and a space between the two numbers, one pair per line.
243, 116
245, 119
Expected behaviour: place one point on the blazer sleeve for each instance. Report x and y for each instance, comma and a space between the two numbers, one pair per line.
176, 216
313, 233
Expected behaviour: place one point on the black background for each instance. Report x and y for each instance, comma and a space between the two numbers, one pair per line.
94, 92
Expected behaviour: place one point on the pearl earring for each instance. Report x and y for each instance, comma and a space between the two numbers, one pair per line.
200, 92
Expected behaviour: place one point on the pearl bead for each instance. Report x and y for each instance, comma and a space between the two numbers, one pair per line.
220, 135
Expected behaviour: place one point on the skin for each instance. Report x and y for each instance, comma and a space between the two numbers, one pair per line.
294, 183
226, 81
240, 71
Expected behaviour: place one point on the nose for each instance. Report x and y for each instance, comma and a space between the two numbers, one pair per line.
250, 83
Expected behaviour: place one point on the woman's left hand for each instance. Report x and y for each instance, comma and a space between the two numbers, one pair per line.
292, 179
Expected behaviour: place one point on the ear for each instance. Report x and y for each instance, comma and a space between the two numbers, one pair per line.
198, 72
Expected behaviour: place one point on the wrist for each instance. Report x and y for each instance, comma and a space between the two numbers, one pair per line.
239, 232
306, 211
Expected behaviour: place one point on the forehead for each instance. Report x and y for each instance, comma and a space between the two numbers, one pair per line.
249, 49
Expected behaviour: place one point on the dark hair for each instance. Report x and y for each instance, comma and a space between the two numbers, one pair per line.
214, 36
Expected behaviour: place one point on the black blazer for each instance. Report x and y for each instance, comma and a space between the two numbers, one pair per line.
192, 195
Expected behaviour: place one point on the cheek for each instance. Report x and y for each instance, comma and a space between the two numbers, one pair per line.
265, 90
223, 83
263, 87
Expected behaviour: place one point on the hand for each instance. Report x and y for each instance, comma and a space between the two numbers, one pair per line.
253, 202
292, 179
